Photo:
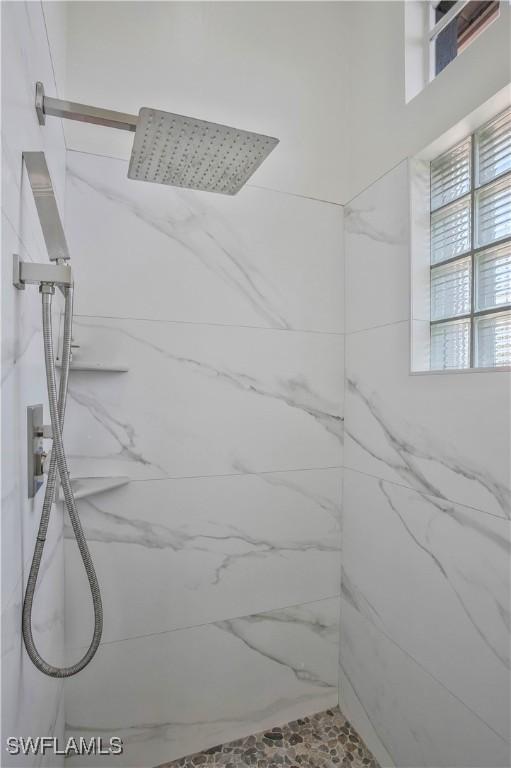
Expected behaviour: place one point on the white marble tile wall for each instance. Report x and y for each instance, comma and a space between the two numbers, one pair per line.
31, 702
203, 400
207, 547
376, 240
177, 692
425, 617
220, 561
259, 258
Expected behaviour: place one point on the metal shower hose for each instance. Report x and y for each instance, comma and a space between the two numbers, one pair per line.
58, 460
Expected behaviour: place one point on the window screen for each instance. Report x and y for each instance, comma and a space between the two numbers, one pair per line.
471, 250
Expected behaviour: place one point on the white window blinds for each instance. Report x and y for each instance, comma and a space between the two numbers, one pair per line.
471, 250
493, 149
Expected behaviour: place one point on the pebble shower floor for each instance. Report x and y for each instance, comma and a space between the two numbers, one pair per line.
323, 740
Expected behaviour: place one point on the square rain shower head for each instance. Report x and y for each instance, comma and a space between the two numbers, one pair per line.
195, 154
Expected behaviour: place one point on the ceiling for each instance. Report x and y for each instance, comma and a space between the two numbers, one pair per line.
276, 68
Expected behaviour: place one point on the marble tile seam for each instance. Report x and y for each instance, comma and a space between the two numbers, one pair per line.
342, 671
52, 65
445, 499
421, 666
217, 622
376, 327
374, 181
297, 194
252, 186
249, 473
425, 372
166, 321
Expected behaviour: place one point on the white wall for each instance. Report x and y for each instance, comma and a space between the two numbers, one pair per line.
278, 68
424, 666
32, 704
382, 128
327, 78
219, 562
424, 673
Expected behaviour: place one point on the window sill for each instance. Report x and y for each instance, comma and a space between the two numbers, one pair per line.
443, 371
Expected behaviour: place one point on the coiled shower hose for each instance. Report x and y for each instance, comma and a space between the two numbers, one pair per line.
58, 461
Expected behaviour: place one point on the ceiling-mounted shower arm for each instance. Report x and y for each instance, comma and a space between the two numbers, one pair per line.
83, 113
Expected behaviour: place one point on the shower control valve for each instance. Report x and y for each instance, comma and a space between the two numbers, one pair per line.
37, 432
44, 431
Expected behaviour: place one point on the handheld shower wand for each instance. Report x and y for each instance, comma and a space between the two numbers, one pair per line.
57, 405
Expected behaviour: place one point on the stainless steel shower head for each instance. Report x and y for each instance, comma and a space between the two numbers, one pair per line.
172, 149
187, 152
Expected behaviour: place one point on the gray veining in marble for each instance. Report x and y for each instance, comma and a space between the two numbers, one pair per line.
357, 222
406, 453
242, 277
286, 658
282, 479
241, 261
295, 393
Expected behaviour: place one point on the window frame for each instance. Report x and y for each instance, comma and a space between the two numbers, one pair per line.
474, 250
435, 28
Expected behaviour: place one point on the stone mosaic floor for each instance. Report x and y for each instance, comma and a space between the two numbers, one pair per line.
325, 740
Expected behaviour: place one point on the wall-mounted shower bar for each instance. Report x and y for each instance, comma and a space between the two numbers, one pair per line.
46, 204
83, 113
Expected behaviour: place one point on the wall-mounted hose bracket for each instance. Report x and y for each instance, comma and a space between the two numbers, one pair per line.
31, 273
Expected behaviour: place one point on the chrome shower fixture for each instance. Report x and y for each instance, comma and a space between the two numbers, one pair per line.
173, 149
48, 276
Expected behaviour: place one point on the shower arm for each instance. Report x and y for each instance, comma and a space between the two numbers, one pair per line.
172, 149
83, 113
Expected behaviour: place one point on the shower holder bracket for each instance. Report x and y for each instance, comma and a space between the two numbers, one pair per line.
37, 432
31, 273
39, 103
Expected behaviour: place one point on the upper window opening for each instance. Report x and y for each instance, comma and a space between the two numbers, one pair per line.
454, 24
470, 189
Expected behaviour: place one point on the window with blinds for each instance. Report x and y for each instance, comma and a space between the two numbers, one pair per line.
471, 250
